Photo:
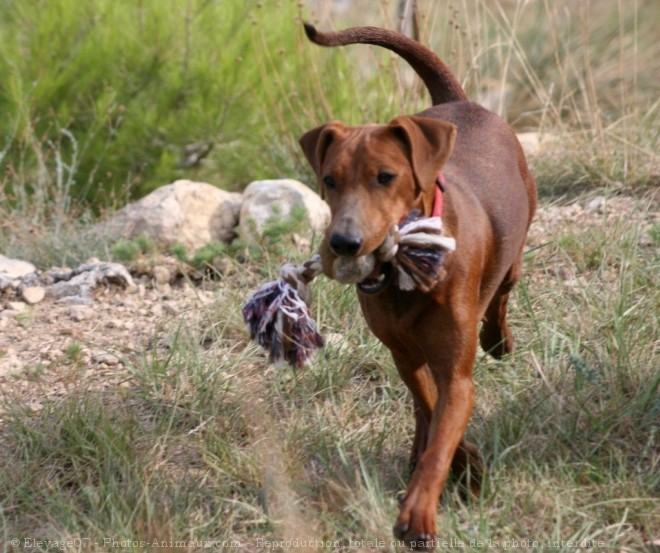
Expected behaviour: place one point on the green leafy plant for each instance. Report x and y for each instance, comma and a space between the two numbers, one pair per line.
129, 250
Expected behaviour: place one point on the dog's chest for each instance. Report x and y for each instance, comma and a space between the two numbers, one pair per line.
394, 315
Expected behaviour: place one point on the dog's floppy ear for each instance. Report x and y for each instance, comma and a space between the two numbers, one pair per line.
315, 144
429, 143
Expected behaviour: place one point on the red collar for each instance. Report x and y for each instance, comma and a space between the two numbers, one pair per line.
438, 201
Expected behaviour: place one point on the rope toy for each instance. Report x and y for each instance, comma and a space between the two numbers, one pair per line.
278, 317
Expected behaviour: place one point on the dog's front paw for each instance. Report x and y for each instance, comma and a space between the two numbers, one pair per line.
423, 541
416, 527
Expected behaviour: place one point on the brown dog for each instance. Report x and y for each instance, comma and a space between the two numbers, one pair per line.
372, 176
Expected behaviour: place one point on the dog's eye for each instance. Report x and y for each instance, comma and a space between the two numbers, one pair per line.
384, 178
329, 182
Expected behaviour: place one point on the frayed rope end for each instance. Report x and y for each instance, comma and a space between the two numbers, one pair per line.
420, 252
279, 319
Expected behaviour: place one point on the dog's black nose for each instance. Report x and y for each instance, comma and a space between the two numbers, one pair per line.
345, 244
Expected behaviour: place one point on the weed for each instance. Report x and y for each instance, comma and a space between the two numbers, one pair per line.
25, 318
179, 251
74, 352
206, 256
127, 251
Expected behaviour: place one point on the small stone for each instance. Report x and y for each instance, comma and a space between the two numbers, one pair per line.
33, 294
10, 364
15, 268
16, 306
335, 339
79, 312
575, 209
337, 342
165, 290
105, 359
646, 240
564, 273
170, 309
530, 142
595, 206
161, 274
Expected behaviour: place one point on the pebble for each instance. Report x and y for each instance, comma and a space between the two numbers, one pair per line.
165, 290
10, 365
33, 294
79, 312
336, 341
170, 309
161, 274
596, 205
105, 359
564, 273
16, 306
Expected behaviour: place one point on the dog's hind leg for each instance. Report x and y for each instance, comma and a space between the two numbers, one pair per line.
495, 336
468, 467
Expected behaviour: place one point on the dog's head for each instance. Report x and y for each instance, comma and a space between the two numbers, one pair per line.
372, 176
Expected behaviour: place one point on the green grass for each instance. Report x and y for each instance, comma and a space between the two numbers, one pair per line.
207, 441
104, 100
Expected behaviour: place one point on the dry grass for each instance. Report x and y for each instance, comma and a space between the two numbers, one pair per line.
211, 443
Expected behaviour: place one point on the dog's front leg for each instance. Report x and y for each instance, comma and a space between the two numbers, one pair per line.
415, 373
451, 364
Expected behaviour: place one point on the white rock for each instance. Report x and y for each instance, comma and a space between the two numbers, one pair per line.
80, 312
33, 294
16, 306
337, 341
14, 268
595, 205
184, 212
535, 143
267, 198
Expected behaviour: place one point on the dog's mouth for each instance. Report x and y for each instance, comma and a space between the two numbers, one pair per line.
377, 279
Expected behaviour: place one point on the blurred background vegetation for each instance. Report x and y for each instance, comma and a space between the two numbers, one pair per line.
105, 100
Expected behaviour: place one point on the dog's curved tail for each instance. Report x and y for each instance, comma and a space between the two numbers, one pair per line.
438, 78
